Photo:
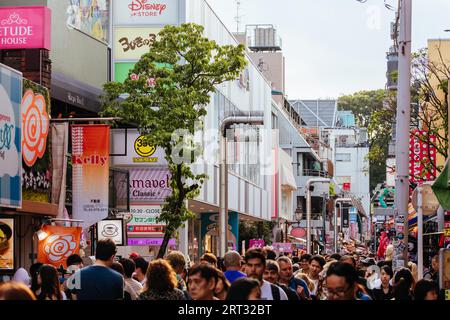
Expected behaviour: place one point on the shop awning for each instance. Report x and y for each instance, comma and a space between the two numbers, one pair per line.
287, 171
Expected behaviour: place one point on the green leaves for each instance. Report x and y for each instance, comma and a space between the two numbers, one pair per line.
168, 90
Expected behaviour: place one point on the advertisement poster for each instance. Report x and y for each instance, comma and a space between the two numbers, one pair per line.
111, 229
58, 244
37, 183
256, 243
6, 244
149, 185
210, 226
90, 17
10, 138
422, 155
90, 165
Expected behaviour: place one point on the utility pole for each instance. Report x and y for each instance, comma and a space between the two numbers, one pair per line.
403, 134
308, 208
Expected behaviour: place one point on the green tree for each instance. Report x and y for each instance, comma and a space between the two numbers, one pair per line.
165, 96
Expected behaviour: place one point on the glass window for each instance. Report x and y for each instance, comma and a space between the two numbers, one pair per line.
343, 157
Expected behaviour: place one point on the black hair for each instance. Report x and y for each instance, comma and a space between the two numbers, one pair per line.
106, 248
74, 259
241, 289
128, 267
295, 260
388, 270
255, 253
345, 270
34, 271
142, 264
336, 256
50, 286
116, 266
272, 265
270, 254
423, 287
306, 256
403, 282
319, 259
206, 270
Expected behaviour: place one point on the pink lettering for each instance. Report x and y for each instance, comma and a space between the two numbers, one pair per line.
142, 5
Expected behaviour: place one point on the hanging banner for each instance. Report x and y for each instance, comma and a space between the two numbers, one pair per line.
36, 156
10, 138
422, 155
58, 244
90, 178
256, 243
7, 244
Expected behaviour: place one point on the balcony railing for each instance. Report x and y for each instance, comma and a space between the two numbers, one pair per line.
315, 173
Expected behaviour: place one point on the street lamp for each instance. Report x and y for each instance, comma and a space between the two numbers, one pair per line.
308, 208
338, 202
254, 118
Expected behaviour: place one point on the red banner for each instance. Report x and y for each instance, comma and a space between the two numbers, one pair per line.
57, 244
90, 161
422, 152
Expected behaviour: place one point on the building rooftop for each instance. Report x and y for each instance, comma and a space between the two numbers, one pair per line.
316, 113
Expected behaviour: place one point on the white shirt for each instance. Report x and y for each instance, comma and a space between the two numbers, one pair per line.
316, 286
266, 292
133, 287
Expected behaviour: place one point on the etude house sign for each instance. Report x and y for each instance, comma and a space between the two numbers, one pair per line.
145, 12
25, 28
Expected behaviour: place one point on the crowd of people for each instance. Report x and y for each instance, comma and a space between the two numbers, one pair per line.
260, 274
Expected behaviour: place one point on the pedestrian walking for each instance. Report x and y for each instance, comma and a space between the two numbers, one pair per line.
287, 278
15, 291
141, 270
403, 284
316, 265
341, 282
255, 262
161, 282
49, 286
202, 280
272, 275
385, 291
426, 290
244, 289
131, 286
222, 286
232, 262
209, 258
178, 263
99, 281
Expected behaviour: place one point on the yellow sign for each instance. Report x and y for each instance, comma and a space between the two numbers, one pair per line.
142, 148
132, 43
447, 294
446, 232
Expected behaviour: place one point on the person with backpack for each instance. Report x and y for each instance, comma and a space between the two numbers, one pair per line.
255, 265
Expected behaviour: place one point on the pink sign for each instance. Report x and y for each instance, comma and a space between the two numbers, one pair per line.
298, 232
148, 241
421, 154
256, 243
25, 28
285, 247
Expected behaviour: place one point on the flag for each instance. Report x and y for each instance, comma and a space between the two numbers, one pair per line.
441, 189
57, 244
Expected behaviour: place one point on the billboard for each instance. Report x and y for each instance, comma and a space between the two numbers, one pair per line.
422, 153
10, 138
7, 232
132, 43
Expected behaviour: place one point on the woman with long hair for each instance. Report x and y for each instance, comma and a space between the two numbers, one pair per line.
15, 291
244, 289
161, 282
50, 288
403, 284
222, 286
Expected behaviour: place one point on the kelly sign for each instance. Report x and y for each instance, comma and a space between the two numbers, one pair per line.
25, 27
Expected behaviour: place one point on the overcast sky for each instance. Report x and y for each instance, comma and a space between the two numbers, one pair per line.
335, 47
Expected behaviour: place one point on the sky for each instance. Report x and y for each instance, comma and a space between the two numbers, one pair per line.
335, 47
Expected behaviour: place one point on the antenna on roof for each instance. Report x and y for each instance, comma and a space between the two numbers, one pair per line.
238, 17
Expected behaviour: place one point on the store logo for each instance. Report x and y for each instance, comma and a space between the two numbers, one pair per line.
142, 148
138, 42
14, 30
142, 8
110, 230
94, 159
59, 247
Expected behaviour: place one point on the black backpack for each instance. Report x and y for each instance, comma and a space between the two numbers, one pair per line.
275, 292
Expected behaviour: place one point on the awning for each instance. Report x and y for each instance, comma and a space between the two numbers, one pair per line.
287, 171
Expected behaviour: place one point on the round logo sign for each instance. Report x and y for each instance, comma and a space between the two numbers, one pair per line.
298, 232
110, 230
142, 148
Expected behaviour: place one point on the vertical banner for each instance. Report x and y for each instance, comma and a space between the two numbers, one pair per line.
60, 142
10, 138
58, 244
90, 178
